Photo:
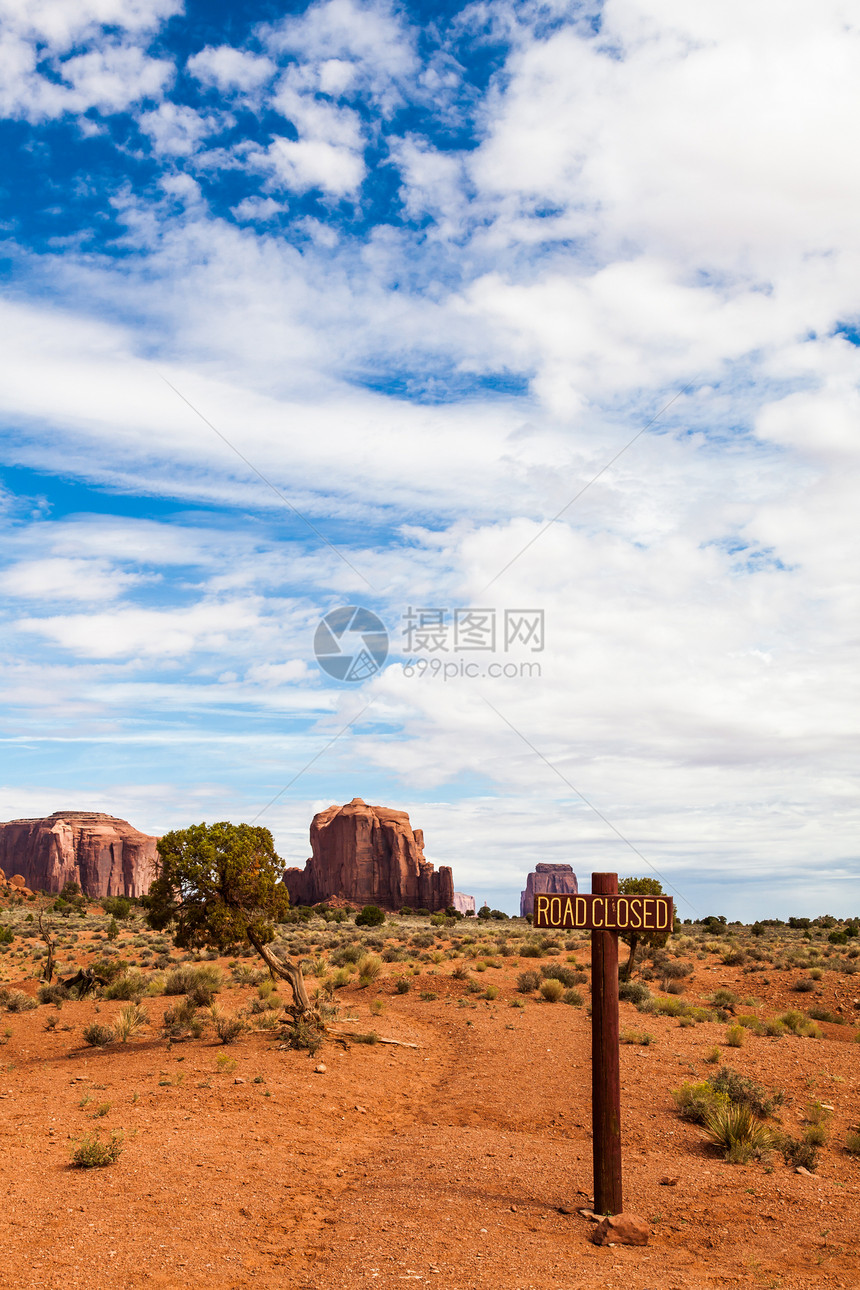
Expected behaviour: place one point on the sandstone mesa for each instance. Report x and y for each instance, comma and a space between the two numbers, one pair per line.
104, 855
369, 855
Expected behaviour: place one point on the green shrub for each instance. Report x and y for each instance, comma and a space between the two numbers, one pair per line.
402, 985
743, 1091
527, 982
629, 1036
531, 951
491, 992
370, 916
633, 991
852, 1142
696, 1101
551, 990
735, 1036
92, 1153
573, 997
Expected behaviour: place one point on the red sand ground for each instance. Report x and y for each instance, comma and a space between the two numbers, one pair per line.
445, 1164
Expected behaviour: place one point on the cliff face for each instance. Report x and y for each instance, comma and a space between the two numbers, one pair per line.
556, 879
104, 855
369, 855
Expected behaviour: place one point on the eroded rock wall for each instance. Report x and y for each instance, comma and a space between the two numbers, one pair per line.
104, 855
369, 855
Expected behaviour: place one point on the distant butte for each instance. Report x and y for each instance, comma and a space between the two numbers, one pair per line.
556, 879
104, 855
369, 855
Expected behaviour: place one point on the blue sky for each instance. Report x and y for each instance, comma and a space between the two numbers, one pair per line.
507, 307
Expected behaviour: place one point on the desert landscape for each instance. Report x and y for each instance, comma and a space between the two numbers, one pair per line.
460, 1156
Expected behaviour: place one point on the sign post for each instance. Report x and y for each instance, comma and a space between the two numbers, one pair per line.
604, 913
605, 1068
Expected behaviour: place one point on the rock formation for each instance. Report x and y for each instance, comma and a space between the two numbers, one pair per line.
465, 904
557, 879
105, 856
369, 855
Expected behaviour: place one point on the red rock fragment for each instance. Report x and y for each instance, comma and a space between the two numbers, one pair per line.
621, 1229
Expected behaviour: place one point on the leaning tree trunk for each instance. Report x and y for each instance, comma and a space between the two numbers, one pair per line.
628, 967
289, 972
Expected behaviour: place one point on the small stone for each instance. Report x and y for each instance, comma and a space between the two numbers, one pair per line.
237, 1080
621, 1229
513, 1209
800, 1170
361, 1109
668, 1181
319, 1069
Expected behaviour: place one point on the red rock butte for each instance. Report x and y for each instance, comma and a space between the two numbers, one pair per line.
104, 855
369, 855
556, 879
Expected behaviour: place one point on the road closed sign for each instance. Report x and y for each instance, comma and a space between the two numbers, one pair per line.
604, 913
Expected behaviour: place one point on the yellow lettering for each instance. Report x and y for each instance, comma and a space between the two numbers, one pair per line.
555, 912
636, 912
567, 917
541, 906
580, 917
662, 915
622, 912
598, 901
648, 912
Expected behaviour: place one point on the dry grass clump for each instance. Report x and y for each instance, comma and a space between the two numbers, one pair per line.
552, 990
129, 1020
98, 1036
92, 1153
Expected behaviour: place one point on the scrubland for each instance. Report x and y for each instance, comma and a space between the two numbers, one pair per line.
172, 1129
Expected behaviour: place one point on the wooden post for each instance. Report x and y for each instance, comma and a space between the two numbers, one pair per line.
605, 1069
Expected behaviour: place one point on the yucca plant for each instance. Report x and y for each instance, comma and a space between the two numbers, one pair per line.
734, 1128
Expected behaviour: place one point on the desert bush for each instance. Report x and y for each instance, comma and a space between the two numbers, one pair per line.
531, 951
128, 986
572, 997
633, 991
228, 1027
773, 1027
735, 1036
402, 985
491, 992
461, 972
743, 1091
852, 1142
824, 1014
799, 1154
752, 1023
803, 985
567, 976
92, 1153
527, 982
799, 1024
724, 999
369, 967
202, 981
551, 990
712, 1056
735, 1128
129, 1020
696, 1101
98, 1036
16, 1001
630, 1036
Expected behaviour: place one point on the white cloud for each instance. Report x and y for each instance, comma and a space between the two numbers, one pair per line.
303, 164
176, 131
59, 579
371, 37
227, 68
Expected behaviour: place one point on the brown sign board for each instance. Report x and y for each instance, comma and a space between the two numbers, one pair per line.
604, 913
